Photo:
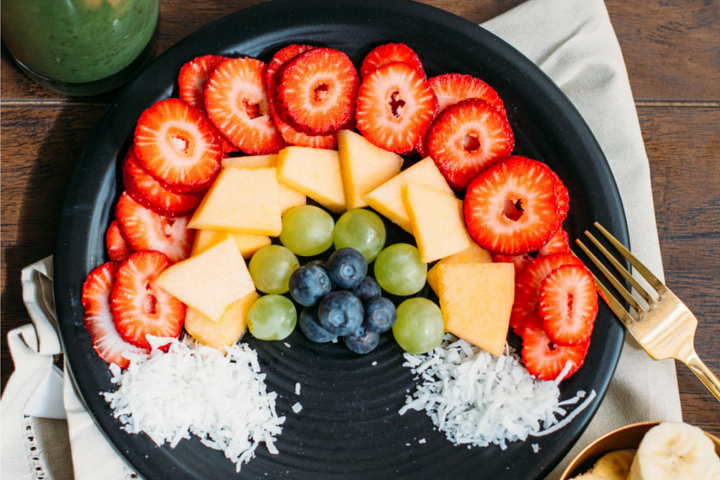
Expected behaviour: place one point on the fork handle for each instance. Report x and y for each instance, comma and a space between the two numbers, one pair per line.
704, 374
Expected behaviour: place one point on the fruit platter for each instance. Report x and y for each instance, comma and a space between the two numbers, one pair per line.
223, 217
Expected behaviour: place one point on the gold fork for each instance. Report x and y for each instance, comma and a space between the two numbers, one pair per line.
666, 329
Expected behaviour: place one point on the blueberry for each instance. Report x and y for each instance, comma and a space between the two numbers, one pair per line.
380, 315
362, 341
311, 327
347, 268
368, 289
318, 263
340, 313
309, 284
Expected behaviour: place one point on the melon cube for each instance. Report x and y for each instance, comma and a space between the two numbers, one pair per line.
228, 331
241, 201
364, 167
211, 281
387, 199
476, 300
437, 222
247, 244
314, 172
474, 254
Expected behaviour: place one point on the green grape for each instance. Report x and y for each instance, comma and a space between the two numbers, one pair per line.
399, 270
419, 326
272, 317
271, 267
362, 230
307, 230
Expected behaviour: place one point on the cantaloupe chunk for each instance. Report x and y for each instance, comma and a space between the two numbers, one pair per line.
314, 172
476, 300
241, 201
474, 254
211, 281
364, 167
247, 244
437, 222
228, 331
288, 197
388, 197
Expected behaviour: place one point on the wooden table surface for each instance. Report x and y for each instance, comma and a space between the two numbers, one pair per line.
672, 53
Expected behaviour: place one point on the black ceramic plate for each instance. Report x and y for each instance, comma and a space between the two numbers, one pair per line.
349, 427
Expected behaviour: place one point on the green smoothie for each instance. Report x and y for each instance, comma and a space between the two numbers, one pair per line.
77, 41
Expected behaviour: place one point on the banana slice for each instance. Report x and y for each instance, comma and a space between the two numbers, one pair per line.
674, 451
614, 465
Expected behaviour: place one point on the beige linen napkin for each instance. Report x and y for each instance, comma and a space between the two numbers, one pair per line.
574, 43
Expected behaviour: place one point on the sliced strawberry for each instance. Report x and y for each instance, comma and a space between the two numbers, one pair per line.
395, 107
146, 230
236, 102
559, 243
519, 261
280, 58
138, 306
390, 53
568, 305
178, 146
317, 89
193, 77
148, 192
452, 88
527, 286
118, 248
466, 138
563, 198
98, 317
510, 208
545, 359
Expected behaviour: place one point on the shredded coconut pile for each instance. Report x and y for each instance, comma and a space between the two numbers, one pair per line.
479, 399
221, 399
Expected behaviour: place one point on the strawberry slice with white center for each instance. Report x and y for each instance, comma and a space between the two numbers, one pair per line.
316, 91
146, 230
466, 138
527, 286
452, 88
568, 305
395, 107
178, 146
99, 319
236, 102
390, 53
148, 192
544, 358
290, 134
139, 307
559, 243
511, 208
118, 248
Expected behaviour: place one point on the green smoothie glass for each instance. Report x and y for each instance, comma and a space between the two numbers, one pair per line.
79, 47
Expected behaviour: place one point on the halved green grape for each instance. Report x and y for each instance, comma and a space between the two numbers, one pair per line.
271, 267
307, 230
419, 326
399, 270
362, 230
272, 317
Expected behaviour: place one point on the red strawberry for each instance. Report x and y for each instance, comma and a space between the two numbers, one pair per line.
466, 138
150, 193
452, 88
138, 306
118, 248
236, 102
559, 243
98, 317
510, 208
545, 359
519, 261
563, 198
316, 91
193, 77
392, 52
527, 286
395, 107
568, 305
146, 230
178, 146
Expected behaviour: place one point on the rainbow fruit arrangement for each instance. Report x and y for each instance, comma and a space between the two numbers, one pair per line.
191, 215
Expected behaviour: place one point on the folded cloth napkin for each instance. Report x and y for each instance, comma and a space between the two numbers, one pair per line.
574, 43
